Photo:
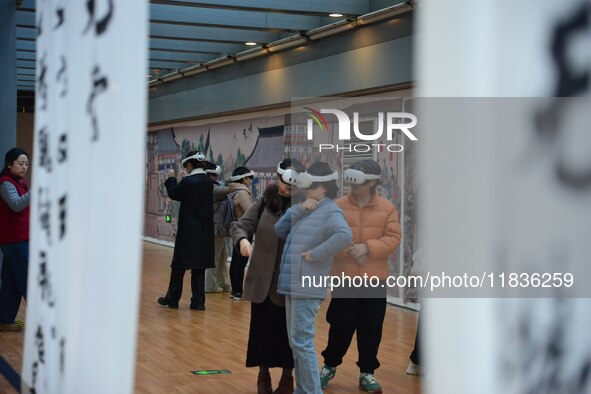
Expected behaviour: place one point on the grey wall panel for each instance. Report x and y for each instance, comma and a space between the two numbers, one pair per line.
382, 64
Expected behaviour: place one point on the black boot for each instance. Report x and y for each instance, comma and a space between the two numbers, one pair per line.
164, 301
198, 289
197, 304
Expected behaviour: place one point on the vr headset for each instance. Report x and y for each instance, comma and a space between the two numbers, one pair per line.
197, 156
305, 180
287, 176
239, 177
217, 171
357, 177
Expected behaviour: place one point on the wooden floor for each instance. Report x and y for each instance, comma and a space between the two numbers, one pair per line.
172, 343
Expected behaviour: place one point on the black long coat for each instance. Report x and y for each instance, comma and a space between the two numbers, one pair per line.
194, 246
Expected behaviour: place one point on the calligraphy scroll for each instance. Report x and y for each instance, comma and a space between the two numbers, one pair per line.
85, 254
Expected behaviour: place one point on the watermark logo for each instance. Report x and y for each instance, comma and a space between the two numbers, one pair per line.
317, 117
389, 121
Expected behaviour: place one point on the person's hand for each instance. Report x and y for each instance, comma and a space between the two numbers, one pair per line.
183, 174
358, 250
309, 205
170, 173
245, 247
307, 256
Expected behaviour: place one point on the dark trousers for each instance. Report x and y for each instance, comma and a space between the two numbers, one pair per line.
347, 315
175, 287
15, 270
237, 266
415, 356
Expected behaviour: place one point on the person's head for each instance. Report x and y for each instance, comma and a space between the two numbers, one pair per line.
285, 178
242, 175
214, 171
319, 190
370, 178
16, 162
194, 160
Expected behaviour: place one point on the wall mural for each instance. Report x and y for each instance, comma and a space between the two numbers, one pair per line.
260, 144
228, 144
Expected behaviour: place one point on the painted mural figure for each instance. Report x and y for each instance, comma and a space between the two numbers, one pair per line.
194, 246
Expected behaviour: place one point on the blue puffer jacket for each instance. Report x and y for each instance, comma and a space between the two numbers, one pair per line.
323, 232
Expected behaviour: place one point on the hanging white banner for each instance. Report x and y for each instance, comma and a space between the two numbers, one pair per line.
87, 200
507, 186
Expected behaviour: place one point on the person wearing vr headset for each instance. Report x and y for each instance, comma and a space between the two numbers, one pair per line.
242, 196
314, 232
194, 245
268, 345
376, 235
217, 279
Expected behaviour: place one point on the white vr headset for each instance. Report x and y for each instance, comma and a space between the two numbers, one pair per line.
287, 176
305, 180
217, 171
197, 156
239, 177
357, 177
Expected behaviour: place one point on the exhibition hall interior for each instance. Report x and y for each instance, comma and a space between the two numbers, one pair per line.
380, 196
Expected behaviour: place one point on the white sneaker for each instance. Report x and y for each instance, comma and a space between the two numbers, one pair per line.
414, 369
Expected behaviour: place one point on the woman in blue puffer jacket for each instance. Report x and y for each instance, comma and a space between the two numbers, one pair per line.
314, 232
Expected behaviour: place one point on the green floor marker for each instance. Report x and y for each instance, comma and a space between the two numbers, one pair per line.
212, 372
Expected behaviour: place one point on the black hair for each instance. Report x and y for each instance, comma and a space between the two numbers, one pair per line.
370, 167
194, 162
320, 168
292, 163
11, 157
209, 165
241, 171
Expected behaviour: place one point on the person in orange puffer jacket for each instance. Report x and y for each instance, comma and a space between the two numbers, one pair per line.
376, 235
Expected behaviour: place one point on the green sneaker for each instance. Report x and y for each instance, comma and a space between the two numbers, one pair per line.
368, 383
326, 374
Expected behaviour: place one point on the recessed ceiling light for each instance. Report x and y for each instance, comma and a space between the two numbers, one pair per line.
335, 15
250, 43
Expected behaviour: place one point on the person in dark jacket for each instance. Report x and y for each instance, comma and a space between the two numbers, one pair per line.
14, 236
194, 246
268, 344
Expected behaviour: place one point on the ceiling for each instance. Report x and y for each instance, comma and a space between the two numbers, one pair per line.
185, 33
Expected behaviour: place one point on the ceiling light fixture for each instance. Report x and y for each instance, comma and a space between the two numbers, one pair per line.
250, 43
335, 15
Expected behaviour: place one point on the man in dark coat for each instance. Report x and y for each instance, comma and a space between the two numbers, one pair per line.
194, 246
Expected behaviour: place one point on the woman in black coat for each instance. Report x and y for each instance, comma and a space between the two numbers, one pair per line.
194, 246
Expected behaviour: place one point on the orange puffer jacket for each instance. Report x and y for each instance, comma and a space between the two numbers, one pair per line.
377, 225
